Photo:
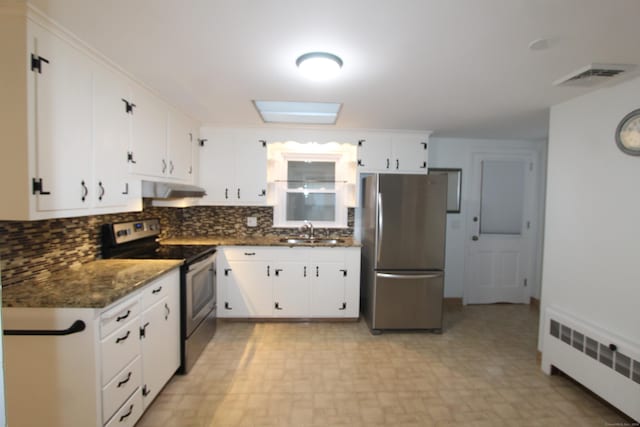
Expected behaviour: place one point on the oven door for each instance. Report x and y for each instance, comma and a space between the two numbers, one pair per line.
200, 283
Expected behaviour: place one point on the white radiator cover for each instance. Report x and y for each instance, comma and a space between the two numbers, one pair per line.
583, 351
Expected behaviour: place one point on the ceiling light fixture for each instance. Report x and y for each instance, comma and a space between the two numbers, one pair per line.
319, 65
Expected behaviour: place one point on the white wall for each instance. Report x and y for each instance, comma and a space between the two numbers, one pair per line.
457, 153
592, 237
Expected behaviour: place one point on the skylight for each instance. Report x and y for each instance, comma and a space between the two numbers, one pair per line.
323, 113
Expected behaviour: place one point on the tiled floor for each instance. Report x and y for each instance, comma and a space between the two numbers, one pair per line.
481, 371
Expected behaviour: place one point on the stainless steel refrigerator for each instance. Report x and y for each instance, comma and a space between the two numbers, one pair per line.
404, 222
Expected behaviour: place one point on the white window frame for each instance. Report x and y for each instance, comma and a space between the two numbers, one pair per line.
340, 190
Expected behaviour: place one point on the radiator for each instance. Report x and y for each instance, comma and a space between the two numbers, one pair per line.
605, 363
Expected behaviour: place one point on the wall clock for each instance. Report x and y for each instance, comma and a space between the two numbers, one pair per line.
628, 133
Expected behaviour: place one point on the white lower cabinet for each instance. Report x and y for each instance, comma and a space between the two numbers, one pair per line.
285, 282
104, 375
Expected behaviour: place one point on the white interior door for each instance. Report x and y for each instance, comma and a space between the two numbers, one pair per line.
499, 246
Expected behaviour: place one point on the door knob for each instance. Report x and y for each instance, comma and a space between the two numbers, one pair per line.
474, 238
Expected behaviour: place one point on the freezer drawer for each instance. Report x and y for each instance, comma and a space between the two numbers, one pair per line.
407, 300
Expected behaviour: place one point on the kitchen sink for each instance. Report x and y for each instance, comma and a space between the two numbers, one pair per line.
302, 241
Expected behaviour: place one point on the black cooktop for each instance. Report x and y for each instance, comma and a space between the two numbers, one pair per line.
190, 253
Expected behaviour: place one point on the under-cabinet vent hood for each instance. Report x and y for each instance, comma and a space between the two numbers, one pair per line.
169, 190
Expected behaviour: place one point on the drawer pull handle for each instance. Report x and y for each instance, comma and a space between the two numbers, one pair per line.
124, 381
305, 271
155, 291
166, 307
249, 253
123, 338
317, 271
143, 330
122, 418
119, 318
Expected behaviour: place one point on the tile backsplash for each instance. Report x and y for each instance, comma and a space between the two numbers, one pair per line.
34, 249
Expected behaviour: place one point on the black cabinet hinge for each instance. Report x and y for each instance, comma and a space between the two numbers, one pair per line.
263, 142
128, 106
360, 141
143, 330
202, 141
36, 63
37, 187
360, 162
226, 271
145, 390
344, 273
130, 157
424, 144
424, 165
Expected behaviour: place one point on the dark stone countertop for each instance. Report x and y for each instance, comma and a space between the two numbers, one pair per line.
252, 241
92, 285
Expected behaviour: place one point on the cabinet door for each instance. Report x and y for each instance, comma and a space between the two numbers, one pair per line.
374, 153
251, 170
291, 289
249, 290
179, 146
111, 140
217, 169
409, 154
328, 289
160, 337
148, 134
63, 124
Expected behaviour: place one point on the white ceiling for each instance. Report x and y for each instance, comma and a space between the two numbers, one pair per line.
461, 68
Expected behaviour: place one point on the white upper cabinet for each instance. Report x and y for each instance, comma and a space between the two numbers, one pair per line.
112, 134
180, 146
62, 79
148, 151
161, 142
233, 167
393, 153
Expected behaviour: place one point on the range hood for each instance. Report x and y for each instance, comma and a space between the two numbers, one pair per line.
170, 190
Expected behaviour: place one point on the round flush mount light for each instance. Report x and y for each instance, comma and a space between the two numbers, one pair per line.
319, 65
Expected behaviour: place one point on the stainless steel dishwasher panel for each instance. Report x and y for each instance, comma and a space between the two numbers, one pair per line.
408, 300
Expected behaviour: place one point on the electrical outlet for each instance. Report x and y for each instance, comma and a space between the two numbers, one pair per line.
252, 221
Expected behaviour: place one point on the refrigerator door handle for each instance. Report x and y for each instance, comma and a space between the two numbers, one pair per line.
380, 223
409, 276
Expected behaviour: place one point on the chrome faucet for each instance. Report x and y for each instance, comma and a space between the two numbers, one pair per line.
308, 228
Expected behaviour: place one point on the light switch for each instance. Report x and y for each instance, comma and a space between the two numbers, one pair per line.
252, 221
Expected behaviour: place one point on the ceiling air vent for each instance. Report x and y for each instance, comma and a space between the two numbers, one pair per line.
593, 74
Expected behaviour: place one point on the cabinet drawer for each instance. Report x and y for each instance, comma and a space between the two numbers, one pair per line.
120, 389
249, 253
119, 315
120, 348
327, 254
129, 413
159, 288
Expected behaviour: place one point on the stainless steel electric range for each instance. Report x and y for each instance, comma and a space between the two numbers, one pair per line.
139, 240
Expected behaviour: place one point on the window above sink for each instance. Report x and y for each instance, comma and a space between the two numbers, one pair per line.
311, 182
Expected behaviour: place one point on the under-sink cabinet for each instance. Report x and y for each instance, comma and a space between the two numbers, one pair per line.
288, 282
106, 374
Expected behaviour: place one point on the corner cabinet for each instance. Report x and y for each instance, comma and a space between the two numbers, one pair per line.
233, 167
106, 374
82, 134
393, 153
288, 282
